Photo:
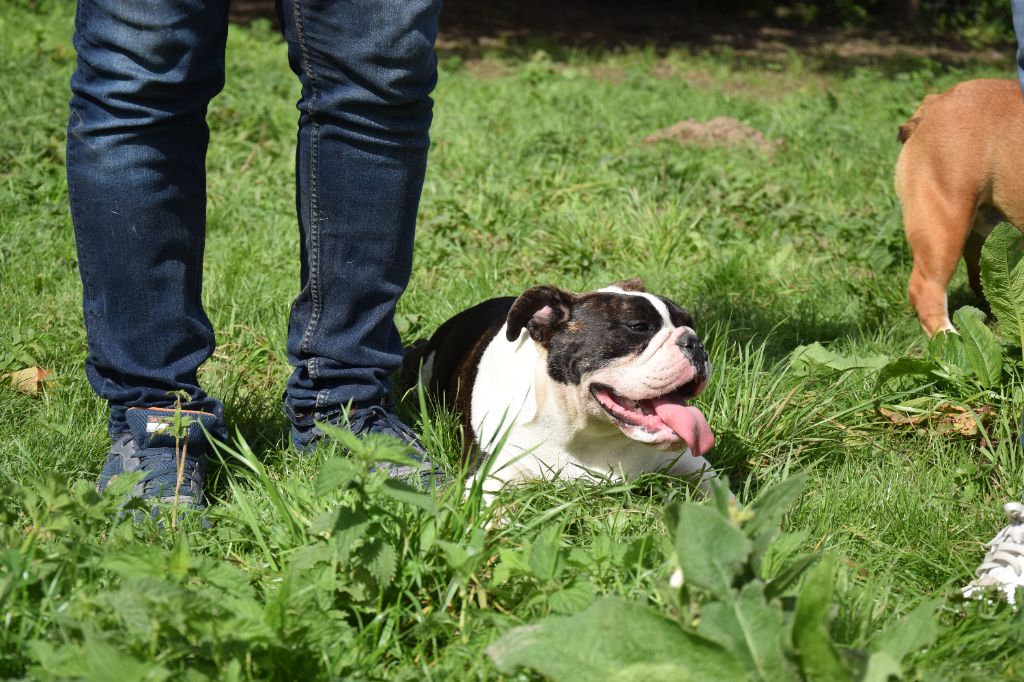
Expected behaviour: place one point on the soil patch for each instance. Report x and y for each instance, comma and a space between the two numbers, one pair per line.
721, 131
488, 69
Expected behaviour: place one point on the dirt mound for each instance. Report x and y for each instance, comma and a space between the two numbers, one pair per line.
720, 131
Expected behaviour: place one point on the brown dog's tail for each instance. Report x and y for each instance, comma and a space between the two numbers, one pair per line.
910, 126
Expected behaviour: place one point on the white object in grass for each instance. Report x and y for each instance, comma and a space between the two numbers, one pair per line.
1003, 565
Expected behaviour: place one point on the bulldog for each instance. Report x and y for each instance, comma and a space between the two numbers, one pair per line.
961, 153
557, 384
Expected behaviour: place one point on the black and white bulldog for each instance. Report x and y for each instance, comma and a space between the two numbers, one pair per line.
573, 385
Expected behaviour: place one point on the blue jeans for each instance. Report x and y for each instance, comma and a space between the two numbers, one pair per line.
137, 140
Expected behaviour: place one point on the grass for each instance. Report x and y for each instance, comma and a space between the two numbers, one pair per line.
537, 175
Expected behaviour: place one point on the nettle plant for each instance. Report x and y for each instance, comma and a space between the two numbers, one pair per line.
727, 612
297, 577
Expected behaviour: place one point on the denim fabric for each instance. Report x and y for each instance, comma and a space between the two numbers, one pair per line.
137, 140
367, 69
1018, 27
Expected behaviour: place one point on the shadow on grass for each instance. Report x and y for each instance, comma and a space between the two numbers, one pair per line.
753, 323
261, 424
515, 29
961, 296
732, 456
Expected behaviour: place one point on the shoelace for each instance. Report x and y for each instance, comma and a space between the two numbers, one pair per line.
161, 467
364, 420
1006, 550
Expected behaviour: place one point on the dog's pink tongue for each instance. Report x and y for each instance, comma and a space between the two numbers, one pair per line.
689, 424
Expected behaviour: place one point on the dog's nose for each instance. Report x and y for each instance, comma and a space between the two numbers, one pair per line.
692, 348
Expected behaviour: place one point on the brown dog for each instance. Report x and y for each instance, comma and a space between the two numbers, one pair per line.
963, 150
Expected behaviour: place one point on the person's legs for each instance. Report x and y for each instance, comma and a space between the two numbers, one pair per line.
137, 139
367, 69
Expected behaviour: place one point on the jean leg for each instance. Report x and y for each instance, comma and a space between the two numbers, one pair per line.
137, 139
367, 68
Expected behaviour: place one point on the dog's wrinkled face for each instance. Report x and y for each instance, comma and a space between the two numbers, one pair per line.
629, 357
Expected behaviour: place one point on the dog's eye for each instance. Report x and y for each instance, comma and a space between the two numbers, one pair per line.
639, 327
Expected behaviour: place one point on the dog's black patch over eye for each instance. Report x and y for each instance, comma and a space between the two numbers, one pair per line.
680, 316
602, 328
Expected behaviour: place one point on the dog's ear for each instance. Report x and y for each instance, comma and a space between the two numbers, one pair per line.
634, 284
541, 310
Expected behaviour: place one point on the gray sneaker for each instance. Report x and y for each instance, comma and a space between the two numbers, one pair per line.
377, 419
150, 447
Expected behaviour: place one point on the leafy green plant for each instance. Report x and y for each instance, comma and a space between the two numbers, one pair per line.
805, 359
961, 364
347, 559
727, 617
1002, 280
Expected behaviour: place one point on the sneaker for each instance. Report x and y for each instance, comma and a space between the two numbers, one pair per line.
1003, 565
149, 446
377, 419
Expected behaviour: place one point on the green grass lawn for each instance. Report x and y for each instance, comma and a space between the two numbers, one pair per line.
537, 174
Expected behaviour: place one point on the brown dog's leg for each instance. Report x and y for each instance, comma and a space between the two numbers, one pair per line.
937, 227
